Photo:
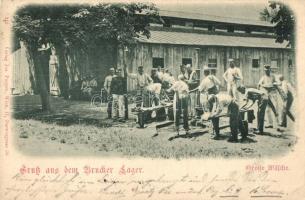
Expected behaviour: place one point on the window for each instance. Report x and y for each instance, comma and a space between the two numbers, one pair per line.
212, 63
274, 64
255, 63
158, 62
230, 29
186, 61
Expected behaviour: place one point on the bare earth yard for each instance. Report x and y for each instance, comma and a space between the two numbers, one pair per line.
77, 128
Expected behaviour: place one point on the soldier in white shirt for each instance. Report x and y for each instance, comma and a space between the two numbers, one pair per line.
181, 104
192, 83
267, 84
210, 86
218, 103
168, 79
287, 93
142, 81
210, 83
233, 77
107, 84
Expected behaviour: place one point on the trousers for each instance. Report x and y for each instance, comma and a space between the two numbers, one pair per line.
182, 108
118, 106
235, 119
232, 90
263, 105
285, 110
109, 105
236, 123
272, 116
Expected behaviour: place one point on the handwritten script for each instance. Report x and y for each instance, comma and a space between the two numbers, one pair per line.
109, 186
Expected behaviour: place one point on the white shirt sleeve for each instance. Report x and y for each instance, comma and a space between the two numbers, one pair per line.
132, 75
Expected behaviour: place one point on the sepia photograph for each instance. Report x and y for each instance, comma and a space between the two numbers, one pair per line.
152, 80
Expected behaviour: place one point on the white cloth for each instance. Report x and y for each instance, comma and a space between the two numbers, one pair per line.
168, 78
118, 105
273, 120
107, 83
143, 80
286, 87
154, 88
208, 82
268, 82
233, 77
222, 102
161, 75
181, 88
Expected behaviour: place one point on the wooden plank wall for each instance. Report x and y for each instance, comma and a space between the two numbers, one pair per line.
173, 54
21, 73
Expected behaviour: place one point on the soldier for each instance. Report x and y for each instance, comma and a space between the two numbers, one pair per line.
181, 102
219, 102
287, 93
118, 90
210, 85
233, 78
155, 76
268, 85
183, 71
142, 81
262, 100
192, 83
107, 84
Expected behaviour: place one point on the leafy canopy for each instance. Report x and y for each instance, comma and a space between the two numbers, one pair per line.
283, 18
83, 26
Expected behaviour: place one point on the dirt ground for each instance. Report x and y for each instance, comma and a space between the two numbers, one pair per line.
76, 128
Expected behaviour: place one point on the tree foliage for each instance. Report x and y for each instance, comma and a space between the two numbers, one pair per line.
79, 27
83, 26
283, 18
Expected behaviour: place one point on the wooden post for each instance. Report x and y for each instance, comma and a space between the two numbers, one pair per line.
125, 76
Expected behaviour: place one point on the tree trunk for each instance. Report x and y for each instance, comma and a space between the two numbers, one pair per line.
43, 90
39, 62
63, 73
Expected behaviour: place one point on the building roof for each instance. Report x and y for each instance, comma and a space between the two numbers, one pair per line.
199, 39
214, 18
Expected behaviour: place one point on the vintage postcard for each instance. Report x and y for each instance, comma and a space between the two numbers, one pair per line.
152, 100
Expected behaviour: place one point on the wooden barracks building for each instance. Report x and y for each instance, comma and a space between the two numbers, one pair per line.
198, 39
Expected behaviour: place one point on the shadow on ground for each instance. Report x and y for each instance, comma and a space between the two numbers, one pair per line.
64, 112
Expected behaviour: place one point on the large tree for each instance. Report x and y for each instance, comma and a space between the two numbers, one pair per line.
283, 18
80, 27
